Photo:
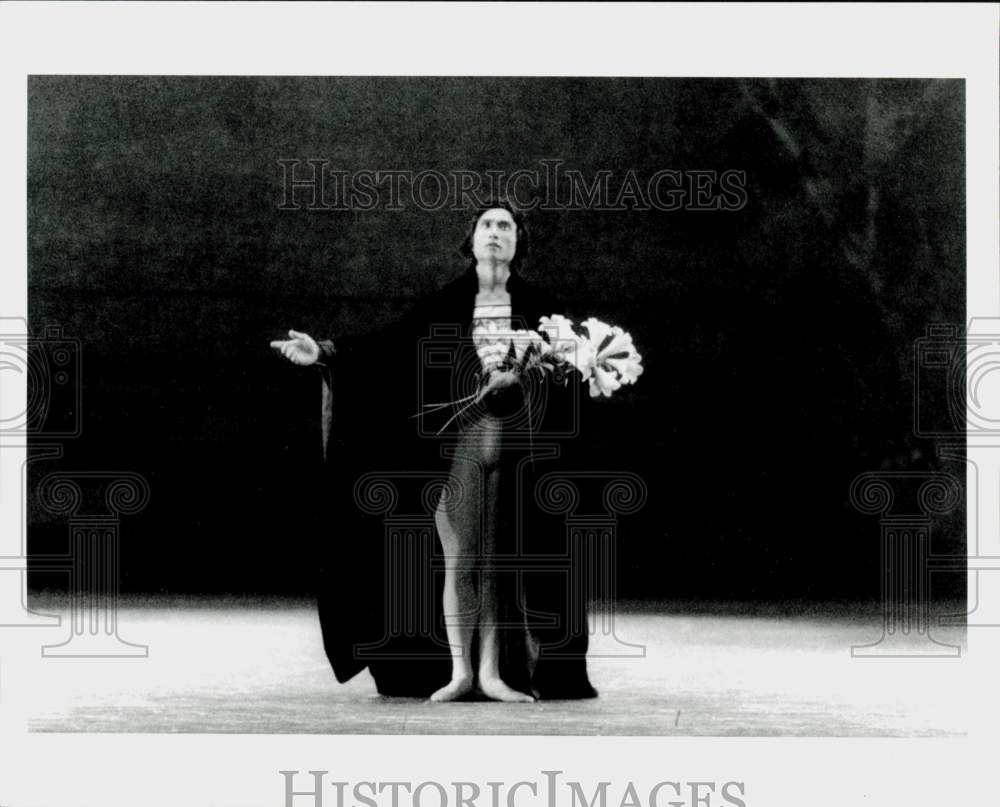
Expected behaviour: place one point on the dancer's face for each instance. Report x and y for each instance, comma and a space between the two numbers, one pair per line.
495, 237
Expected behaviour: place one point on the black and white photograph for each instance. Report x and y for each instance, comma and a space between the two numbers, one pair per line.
420, 408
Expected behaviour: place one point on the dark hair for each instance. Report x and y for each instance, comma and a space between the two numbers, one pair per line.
523, 249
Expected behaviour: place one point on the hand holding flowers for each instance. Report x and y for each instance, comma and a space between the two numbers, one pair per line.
602, 355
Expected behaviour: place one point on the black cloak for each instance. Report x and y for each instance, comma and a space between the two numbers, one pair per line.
380, 598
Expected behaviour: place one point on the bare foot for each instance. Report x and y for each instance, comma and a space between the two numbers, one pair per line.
454, 690
495, 689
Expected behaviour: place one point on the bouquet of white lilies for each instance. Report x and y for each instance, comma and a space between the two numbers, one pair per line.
603, 355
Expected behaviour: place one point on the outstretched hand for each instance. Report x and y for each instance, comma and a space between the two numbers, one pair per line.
299, 348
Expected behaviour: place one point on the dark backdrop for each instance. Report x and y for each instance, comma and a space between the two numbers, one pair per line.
778, 340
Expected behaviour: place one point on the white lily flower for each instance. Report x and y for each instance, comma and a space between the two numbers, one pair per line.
629, 368
558, 330
614, 353
567, 345
603, 382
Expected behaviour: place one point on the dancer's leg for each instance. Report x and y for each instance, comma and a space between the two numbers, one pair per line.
458, 518
490, 683
467, 524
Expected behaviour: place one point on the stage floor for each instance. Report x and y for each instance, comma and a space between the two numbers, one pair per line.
238, 666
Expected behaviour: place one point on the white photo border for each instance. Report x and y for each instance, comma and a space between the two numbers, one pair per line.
795, 40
